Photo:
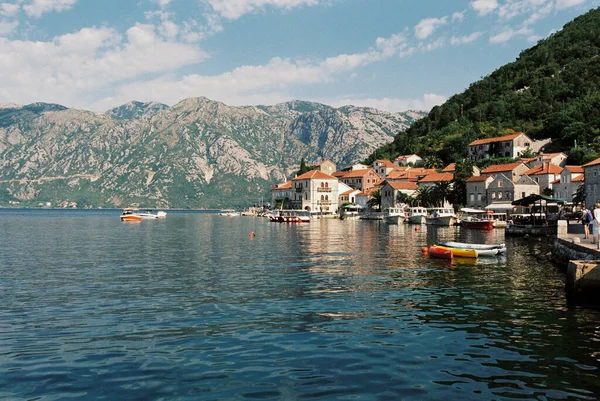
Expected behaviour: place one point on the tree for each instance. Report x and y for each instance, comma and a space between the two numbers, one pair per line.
374, 201
303, 167
579, 198
406, 199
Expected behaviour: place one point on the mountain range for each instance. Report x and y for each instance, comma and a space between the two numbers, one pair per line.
198, 153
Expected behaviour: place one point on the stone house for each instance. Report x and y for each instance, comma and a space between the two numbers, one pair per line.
504, 190
544, 174
391, 189
592, 182
559, 159
565, 188
282, 194
348, 196
477, 187
514, 170
431, 179
384, 167
326, 166
505, 146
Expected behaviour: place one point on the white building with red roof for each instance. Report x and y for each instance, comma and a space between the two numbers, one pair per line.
359, 179
431, 179
316, 191
592, 182
384, 167
477, 191
514, 170
512, 145
409, 160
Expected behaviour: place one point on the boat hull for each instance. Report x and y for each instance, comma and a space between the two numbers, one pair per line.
394, 219
445, 221
419, 219
465, 245
478, 225
131, 217
459, 252
440, 253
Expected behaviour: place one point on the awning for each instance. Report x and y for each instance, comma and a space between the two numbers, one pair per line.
531, 199
470, 210
500, 206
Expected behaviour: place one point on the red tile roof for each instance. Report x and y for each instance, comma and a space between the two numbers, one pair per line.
592, 163
450, 168
357, 173
579, 178
314, 174
544, 168
437, 177
497, 139
403, 185
497, 168
386, 163
285, 185
575, 169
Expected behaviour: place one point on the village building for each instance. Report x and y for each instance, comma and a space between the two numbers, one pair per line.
558, 159
412, 174
514, 170
349, 196
477, 187
504, 190
383, 167
544, 175
592, 182
359, 179
432, 179
326, 166
391, 189
281, 195
356, 166
565, 188
409, 160
505, 146
315, 191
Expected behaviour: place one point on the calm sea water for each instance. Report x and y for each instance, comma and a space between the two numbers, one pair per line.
191, 307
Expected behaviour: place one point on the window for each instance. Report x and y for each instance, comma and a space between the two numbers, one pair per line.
507, 195
479, 197
500, 195
472, 197
499, 183
522, 194
493, 195
476, 188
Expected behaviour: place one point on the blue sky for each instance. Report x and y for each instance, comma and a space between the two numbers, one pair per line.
393, 55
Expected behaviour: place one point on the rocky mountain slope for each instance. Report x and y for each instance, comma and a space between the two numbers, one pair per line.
197, 153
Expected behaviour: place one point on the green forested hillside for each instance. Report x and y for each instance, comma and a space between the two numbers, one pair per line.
551, 90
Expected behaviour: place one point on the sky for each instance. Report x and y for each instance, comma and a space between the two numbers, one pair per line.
394, 55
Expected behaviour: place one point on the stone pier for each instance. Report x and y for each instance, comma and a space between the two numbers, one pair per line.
582, 259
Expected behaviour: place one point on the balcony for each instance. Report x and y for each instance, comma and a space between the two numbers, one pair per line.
323, 189
324, 202
299, 189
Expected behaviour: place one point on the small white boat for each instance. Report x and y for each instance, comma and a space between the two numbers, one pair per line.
416, 215
482, 249
229, 213
148, 214
441, 216
394, 215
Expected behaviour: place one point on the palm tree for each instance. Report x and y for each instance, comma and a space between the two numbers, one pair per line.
374, 201
406, 199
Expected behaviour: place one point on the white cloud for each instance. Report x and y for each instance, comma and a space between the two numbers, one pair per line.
163, 3
562, 4
427, 26
458, 16
9, 10
459, 40
73, 66
510, 33
234, 9
39, 7
426, 103
6, 28
484, 7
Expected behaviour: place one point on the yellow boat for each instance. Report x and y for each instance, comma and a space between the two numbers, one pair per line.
460, 253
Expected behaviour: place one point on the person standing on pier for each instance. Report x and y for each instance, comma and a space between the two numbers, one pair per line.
596, 225
586, 220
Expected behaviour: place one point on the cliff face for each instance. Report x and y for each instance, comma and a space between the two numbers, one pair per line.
197, 153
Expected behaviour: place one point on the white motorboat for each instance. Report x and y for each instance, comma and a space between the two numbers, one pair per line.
416, 215
441, 216
229, 213
149, 214
482, 248
394, 215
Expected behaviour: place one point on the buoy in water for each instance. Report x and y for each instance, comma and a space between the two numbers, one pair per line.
251, 235
417, 228
424, 249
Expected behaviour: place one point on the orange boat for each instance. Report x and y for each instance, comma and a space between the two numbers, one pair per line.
439, 252
129, 215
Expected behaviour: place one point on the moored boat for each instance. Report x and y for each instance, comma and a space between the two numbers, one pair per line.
477, 219
148, 214
229, 213
441, 216
416, 215
460, 252
394, 215
465, 245
439, 252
